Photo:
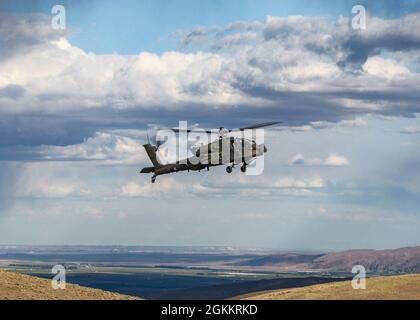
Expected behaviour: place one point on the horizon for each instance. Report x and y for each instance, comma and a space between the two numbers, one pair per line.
225, 248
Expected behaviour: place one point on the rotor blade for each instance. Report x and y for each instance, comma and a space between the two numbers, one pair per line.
261, 125
192, 130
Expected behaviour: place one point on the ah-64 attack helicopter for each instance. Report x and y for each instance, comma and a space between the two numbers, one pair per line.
225, 149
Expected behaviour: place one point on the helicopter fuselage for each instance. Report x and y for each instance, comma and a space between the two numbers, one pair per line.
225, 150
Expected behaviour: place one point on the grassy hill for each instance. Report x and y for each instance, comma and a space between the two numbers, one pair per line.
15, 286
406, 287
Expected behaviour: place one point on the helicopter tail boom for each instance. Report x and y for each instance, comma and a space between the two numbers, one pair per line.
151, 152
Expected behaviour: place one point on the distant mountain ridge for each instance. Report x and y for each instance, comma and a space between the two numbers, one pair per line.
403, 260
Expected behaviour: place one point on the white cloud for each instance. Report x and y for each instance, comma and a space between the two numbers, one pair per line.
411, 130
385, 68
294, 183
107, 147
298, 159
335, 160
47, 188
164, 187
64, 77
271, 58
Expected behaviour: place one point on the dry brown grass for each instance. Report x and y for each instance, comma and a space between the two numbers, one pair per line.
15, 286
406, 287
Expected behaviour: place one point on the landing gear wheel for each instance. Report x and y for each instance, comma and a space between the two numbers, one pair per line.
153, 179
229, 169
243, 168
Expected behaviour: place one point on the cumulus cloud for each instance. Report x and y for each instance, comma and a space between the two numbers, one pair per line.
20, 34
337, 40
385, 68
298, 159
333, 160
106, 147
165, 187
295, 69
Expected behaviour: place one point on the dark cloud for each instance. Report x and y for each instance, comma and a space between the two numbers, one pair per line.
391, 35
21, 33
348, 47
12, 91
22, 135
292, 108
41, 129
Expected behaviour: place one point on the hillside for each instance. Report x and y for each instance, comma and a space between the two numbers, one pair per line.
15, 286
404, 260
406, 287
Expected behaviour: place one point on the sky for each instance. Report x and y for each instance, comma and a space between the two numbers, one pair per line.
76, 105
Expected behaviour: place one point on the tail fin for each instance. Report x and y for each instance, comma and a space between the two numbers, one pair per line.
151, 152
148, 170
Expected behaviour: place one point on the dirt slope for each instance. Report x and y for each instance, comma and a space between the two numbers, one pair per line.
406, 287
15, 286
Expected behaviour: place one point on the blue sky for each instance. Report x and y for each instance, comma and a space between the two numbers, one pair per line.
341, 172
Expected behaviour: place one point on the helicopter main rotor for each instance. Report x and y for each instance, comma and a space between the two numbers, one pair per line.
223, 131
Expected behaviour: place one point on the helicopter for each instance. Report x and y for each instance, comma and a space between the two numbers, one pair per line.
226, 149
